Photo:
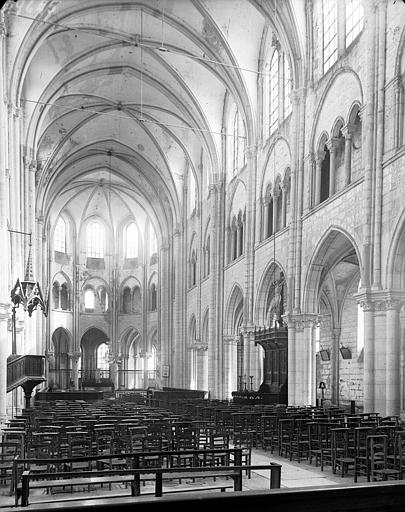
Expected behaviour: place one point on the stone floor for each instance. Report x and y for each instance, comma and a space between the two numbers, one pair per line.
293, 474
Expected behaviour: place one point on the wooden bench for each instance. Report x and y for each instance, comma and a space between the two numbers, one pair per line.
32, 480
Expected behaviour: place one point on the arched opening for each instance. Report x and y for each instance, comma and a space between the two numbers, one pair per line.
59, 369
234, 355
325, 175
95, 347
332, 282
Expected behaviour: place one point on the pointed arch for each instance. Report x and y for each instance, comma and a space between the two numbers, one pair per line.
234, 311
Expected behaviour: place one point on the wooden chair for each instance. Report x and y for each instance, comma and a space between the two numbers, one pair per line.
285, 429
268, 432
341, 454
245, 442
361, 455
8, 451
380, 468
299, 440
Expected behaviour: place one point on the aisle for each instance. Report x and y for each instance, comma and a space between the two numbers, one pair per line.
293, 473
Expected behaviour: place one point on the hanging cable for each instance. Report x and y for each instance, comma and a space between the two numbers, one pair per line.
141, 118
162, 46
151, 121
141, 44
274, 224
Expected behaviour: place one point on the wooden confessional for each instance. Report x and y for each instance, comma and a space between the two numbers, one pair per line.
274, 341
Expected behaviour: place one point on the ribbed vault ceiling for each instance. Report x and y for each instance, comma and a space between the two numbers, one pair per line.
129, 94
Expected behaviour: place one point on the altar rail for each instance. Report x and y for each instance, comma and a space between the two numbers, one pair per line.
375, 497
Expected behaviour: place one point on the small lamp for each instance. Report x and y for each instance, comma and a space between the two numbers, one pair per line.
346, 352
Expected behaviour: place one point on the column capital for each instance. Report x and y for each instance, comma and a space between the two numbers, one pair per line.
49, 354
247, 329
75, 355
310, 157
301, 320
348, 130
32, 166
336, 332
380, 300
332, 144
231, 340
215, 186
297, 95
251, 151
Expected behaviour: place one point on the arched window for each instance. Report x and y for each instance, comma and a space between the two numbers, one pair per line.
64, 297
153, 297
55, 295
193, 268
103, 298
274, 76
240, 234
354, 20
136, 300
325, 175
102, 357
192, 192
207, 256
126, 300
269, 218
330, 39
89, 299
60, 235
131, 241
95, 240
152, 241
234, 239
287, 87
235, 147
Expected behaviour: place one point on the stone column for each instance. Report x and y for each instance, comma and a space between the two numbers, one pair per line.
347, 132
115, 363
74, 363
393, 359
305, 360
238, 239
232, 244
291, 363
179, 310
164, 301
260, 220
283, 207
230, 365
379, 146
368, 143
215, 348
334, 378
380, 347
50, 365
318, 172
275, 201
368, 368
201, 350
5, 338
332, 145
123, 383
266, 219
248, 303
399, 112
